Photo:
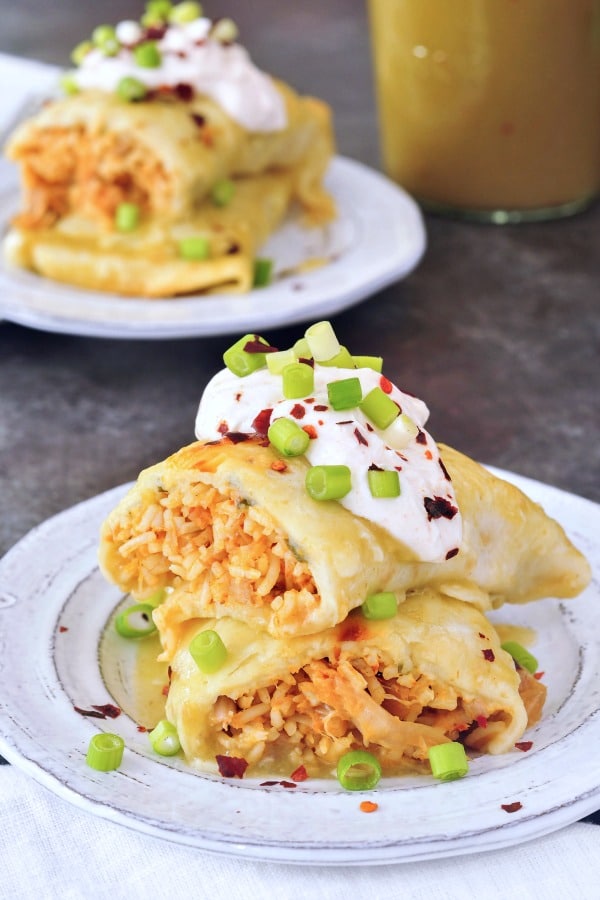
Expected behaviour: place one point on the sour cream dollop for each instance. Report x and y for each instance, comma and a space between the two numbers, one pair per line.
222, 71
425, 517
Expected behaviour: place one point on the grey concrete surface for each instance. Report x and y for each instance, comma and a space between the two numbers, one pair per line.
497, 329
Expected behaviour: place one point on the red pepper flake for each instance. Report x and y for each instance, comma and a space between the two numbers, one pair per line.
257, 346
222, 427
268, 783
239, 396
299, 774
311, 431
231, 766
375, 468
512, 807
482, 635
142, 728
345, 422
451, 553
165, 690
421, 437
279, 466
385, 384
198, 119
319, 407
298, 411
481, 721
489, 655
308, 361
184, 91
368, 806
464, 726
310, 400
360, 437
237, 437
444, 470
105, 711
439, 507
369, 427
63, 628
524, 745
288, 784
428, 454
233, 249
262, 421
538, 675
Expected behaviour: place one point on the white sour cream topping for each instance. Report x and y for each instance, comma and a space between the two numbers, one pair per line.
347, 437
223, 72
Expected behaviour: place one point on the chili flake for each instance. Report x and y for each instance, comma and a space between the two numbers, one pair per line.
439, 507
421, 437
298, 411
311, 431
360, 437
231, 766
512, 807
450, 553
262, 421
299, 774
385, 384
524, 745
279, 466
489, 655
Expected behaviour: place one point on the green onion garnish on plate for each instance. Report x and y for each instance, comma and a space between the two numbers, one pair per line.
521, 656
448, 761
298, 380
383, 605
358, 770
136, 621
105, 752
379, 408
345, 393
164, 739
384, 483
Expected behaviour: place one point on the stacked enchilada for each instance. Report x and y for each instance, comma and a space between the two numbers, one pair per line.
227, 527
167, 165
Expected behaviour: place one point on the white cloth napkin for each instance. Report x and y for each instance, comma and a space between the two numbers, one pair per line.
50, 849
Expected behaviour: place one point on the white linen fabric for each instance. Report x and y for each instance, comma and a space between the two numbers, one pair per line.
50, 849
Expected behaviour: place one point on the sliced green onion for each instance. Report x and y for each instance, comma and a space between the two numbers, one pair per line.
239, 361
156, 598
103, 33
383, 605
287, 437
328, 482
401, 432
384, 483
298, 380
276, 362
369, 362
346, 393
131, 89
136, 621
147, 55
358, 770
343, 359
69, 84
379, 408
322, 341
302, 350
225, 31
222, 192
208, 651
185, 12
263, 272
164, 739
162, 8
448, 761
127, 217
194, 248
105, 752
521, 656
80, 52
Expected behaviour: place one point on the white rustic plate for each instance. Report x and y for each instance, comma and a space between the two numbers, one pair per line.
54, 605
377, 239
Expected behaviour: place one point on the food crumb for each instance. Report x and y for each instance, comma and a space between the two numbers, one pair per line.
368, 806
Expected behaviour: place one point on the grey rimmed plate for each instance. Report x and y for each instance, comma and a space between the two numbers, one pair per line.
54, 607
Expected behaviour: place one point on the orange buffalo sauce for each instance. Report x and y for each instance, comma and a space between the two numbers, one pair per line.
490, 104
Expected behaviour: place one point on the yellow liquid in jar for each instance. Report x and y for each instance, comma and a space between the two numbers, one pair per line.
489, 104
